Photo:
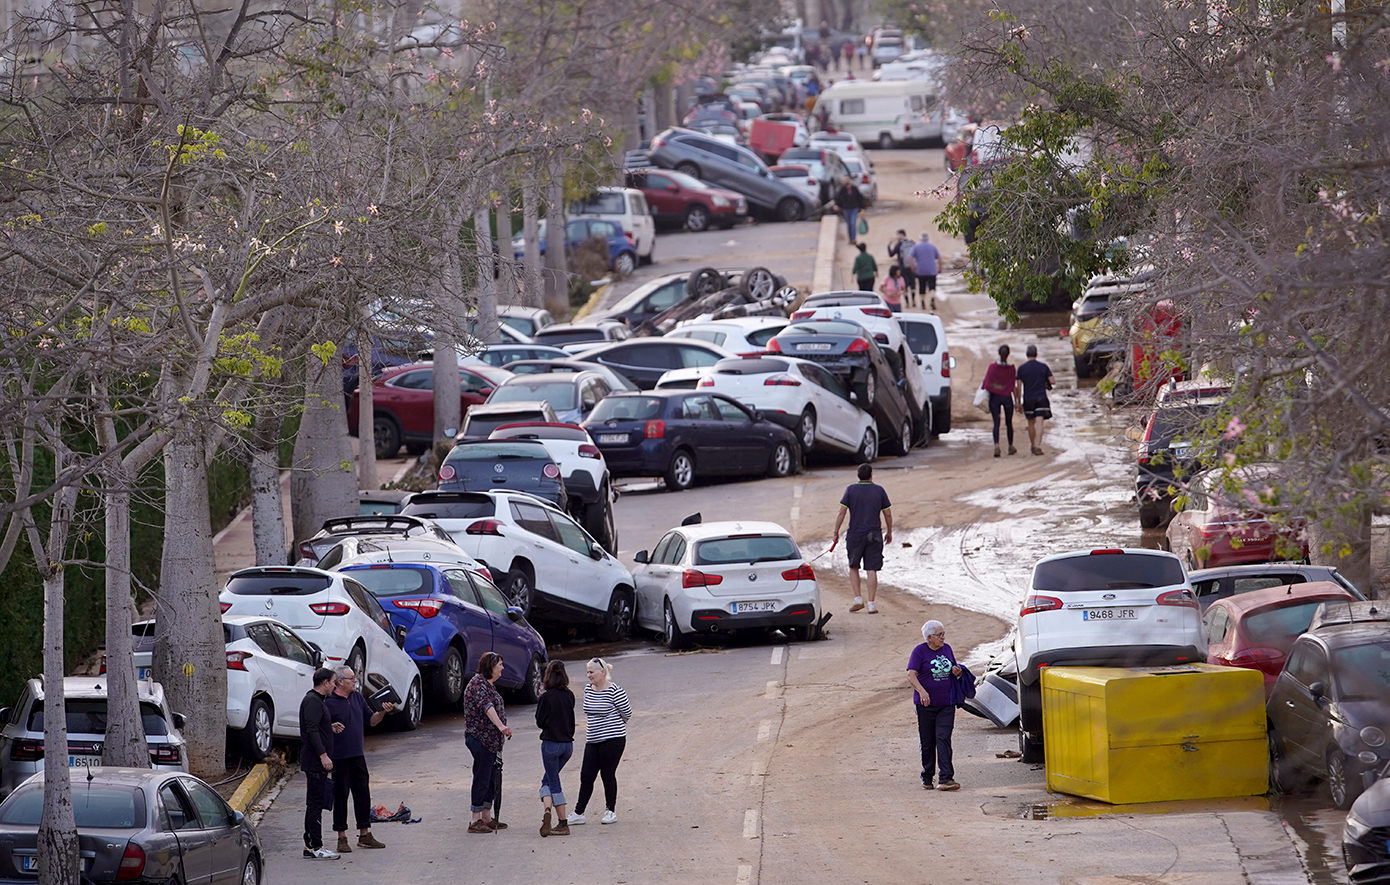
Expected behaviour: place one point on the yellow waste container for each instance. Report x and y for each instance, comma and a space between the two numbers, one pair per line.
1151, 734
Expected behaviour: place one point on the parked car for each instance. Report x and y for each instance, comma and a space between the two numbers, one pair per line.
846, 144
726, 577
572, 395
1256, 630
569, 366
588, 486
565, 335
1167, 448
84, 698
1330, 707
627, 207
926, 340
1216, 527
1365, 844
1093, 343
381, 502
451, 617
743, 336
526, 320
731, 166
801, 177
644, 360
403, 404
862, 174
622, 248
385, 548
683, 435
310, 551
475, 465
1211, 584
337, 614
680, 200
886, 49
868, 309
827, 168
482, 420
1101, 608
554, 571
503, 355
138, 825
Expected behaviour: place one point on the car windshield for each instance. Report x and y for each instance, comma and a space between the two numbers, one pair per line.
278, 584
1363, 671
88, 716
389, 581
560, 394
599, 204
482, 426
1107, 571
686, 181
746, 548
536, 431
96, 806
632, 408
498, 451
569, 336
1279, 626
1174, 422
453, 507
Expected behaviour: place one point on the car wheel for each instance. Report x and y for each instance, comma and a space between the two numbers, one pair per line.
1150, 516
598, 521
806, 431
922, 430
1280, 779
1083, 366
671, 635
697, 218
785, 296
780, 464
681, 474
251, 873
518, 588
387, 434
688, 168
448, 679
408, 717
705, 281
1342, 785
868, 447
530, 690
904, 444
1030, 750
790, 209
867, 389
256, 737
886, 142
357, 660
617, 620
625, 263
758, 283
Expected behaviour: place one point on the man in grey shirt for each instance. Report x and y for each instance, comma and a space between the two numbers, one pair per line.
925, 258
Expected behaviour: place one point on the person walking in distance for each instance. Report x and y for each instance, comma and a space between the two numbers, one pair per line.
930, 669
849, 203
555, 719
892, 288
485, 732
606, 711
925, 261
347, 706
1034, 381
316, 729
865, 269
999, 383
898, 250
865, 502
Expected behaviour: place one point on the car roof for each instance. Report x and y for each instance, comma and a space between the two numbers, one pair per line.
1352, 614
95, 687
518, 310
708, 530
1235, 571
1134, 551
112, 774
740, 323
493, 442
520, 405
1273, 596
533, 377
283, 570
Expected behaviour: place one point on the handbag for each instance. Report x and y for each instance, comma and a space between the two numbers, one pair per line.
982, 400
863, 226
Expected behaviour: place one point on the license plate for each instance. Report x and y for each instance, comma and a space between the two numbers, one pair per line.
1108, 614
817, 346
144, 673
745, 607
84, 762
612, 437
28, 864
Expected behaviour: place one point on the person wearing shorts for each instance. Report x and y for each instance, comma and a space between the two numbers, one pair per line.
866, 503
1034, 381
925, 262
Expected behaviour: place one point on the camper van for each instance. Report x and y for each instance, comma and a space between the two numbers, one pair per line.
887, 114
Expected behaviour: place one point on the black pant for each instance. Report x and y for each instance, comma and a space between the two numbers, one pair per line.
350, 774
925, 283
1004, 404
866, 284
600, 758
484, 772
318, 796
934, 726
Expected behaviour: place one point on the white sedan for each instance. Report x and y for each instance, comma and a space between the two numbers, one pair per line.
742, 336
723, 577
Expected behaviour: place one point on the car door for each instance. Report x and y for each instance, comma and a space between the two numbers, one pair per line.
664, 196
379, 635
473, 390
647, 583
643, 227
217, 830
750, 445
836, 417
663, 577
1297, 718
410, 397
703, 427
298, 665
177, 816
505, 634
470, 619
659, 301
588, 582
280, 676
541, 545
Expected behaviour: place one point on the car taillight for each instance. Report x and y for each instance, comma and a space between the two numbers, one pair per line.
446, 472
101, 671
812, 181
1144, 454
132, 863
706, 381
1106, 551
225, 606
1180, 598
1268, 660
802, 314
858, 345
773, 346
945, 364
781, 381
236, 660
550, 471
630, 240
655, 429
27, 751
306, 551
484, 527
588, 451
696, 578
1034, 604
657, 142
329, 608
165, 754
883, 312
802, 573
427, 608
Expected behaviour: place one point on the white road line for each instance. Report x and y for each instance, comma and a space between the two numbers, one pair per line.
765, 729
750, 824
745, 874
772, 686
777, 654
796, 502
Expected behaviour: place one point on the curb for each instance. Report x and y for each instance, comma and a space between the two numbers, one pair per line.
823, 274
251, 788
593, 302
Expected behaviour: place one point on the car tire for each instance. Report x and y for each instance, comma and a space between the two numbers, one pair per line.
868, 447
680, 475
866, 389
886, 142
688, 168
705, 281
598, 521
903, 444
806, 430
1150, 516
519, 587
1342, 786
387, 435
697, 218
530, 691
1030, 750
781, 462
1280, 772
941, 419
617, 619
758, 283
790, 209
256, 738
251, 871
357, 660
412, 708
671, 635
923, 428
1082, 365
625, 263
449, 678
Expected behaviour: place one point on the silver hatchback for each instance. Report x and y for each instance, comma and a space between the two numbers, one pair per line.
731, 166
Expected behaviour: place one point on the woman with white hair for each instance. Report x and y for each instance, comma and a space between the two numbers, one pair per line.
930, 670
606, 711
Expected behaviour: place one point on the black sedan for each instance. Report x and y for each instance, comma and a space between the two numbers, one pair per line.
137, 825
850, 353
644, 360
684, 434
513, 465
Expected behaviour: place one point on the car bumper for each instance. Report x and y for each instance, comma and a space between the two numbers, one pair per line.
579, 487
648, 458
240, 690
1364, 873
1110, 656
714, 620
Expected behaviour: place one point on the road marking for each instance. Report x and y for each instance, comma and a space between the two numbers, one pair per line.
750, 824
777, 654
765, 729
772, 686
745, 874
796, 502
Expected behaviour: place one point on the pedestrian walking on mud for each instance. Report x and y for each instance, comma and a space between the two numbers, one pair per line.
348, 708
865, 502
606, 712
316, 730
892, 288
999, 383
1034, 381
485, 732
865, 269
849, 203
931, 668
899, 250
555, 719
925, 263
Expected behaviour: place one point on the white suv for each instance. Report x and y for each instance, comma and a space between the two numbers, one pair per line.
926, 339
588, 487
1102, 608
628, 207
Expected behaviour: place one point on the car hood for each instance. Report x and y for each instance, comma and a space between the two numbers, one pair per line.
1373, 806
1360, 714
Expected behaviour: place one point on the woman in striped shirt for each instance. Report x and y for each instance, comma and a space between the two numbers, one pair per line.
607, 711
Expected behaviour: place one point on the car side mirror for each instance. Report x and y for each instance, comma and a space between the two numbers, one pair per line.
641, 557
596, 550
515, 613
1318, 690
179, 721
757, 415
401, 633
675, 188
918, 359
952, 362
316, 655
237, 817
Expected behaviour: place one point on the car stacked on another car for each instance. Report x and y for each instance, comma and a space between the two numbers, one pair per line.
644, 360
680, 200
588, 486
571, 336
743, 336
525, 465
1211, 584
1218, 525
482, 420
926, 340
731, 166
572, 395
311, 550
526, 320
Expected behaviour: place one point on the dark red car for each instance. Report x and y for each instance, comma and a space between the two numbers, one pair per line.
1256, 630
678, 200
1218, 527
403, 404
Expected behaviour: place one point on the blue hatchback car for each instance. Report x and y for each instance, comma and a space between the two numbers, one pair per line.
452, 616
622, 251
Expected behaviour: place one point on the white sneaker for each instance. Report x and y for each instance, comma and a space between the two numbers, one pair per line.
320, 854
858, 604
873, 609
575, 819
609, 817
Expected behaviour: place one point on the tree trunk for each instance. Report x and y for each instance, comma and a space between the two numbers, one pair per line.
557, 299
532, 290
664, 99
506, 265
323, 484
366, 436
267, 502
125, 729
190, 653
487, 288
1349, 534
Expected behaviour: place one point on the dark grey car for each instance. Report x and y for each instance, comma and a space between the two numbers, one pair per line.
137, 825
731, 166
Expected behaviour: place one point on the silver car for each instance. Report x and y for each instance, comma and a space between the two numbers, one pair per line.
731, 166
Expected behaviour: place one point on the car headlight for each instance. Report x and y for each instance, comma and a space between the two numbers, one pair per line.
1356, 828
1372, 736
721, 202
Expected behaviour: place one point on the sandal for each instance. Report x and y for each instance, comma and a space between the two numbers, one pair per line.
479, 826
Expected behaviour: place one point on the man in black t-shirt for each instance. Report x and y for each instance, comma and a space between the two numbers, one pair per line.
865, 502
1035, 380
316, 732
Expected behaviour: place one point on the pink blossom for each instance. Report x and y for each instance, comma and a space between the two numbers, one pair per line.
1234, 429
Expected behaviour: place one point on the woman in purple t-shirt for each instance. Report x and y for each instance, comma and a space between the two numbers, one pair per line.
930, 670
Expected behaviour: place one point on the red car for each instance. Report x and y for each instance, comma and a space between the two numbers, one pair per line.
403, 404
1219, 528
678, 200
1256, 630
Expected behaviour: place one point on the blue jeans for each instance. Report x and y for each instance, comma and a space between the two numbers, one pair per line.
934, 727
554, 755
852, 221
484, 762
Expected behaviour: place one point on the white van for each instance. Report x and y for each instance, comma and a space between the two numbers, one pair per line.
886, 114
628, 207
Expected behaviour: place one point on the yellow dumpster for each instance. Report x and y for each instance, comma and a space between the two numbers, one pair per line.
1151, 734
